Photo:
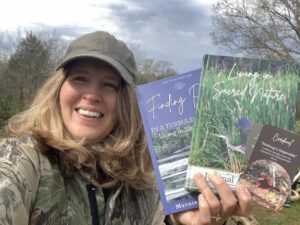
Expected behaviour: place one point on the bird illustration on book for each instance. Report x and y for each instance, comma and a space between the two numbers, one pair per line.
243, 125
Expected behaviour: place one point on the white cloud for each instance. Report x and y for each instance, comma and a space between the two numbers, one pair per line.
31, 13
178, 32
205, 2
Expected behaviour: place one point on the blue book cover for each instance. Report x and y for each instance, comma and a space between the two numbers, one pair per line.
167, 108
234, 94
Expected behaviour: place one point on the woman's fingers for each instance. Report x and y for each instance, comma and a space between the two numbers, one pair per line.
240, 206
211, 199
227, 198
245, 201
204, 210
216, 209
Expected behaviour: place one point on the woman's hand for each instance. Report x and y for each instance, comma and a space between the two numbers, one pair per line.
215, 209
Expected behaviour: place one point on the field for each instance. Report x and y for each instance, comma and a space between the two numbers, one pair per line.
287, 216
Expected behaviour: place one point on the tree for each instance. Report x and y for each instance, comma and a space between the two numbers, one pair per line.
27, 69
8, 44
26, 59
150, 70
56, 46
139, 54
266, 28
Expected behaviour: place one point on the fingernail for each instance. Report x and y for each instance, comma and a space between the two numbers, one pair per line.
244, 190
202, 200
198, 176
215, 176
201, 197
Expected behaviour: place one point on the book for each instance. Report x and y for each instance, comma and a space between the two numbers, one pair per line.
252, 138
272, 167
234, 94
167, 109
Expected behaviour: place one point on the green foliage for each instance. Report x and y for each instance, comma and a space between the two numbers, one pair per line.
219, 109
27, 69
7, 109
6, 106
24, 72
167, 142
175, 182
298, 126
21, 75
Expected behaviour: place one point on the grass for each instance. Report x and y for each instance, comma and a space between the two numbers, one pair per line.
288, 216
226, 98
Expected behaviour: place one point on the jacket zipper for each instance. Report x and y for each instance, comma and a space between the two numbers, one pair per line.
93, 203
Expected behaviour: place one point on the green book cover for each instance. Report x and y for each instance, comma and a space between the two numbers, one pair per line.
234, 94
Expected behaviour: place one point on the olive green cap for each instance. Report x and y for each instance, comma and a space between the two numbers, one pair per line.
104, 46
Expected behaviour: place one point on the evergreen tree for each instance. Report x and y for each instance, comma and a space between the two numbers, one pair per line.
27, 69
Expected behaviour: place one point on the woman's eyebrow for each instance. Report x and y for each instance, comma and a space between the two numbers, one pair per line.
78, 70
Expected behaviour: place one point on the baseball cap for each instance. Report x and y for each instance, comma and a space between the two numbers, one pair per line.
104, 46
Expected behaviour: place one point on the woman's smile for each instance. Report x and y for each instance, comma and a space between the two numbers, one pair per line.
88, 113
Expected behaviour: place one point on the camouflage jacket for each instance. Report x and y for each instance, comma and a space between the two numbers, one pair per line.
33, 191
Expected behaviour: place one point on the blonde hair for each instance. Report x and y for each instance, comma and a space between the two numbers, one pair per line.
122, 155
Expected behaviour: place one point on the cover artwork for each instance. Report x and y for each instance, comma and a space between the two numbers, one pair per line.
168, 108
272, 166
234, 94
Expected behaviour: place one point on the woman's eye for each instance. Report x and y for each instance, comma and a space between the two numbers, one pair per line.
111, 86
80, 78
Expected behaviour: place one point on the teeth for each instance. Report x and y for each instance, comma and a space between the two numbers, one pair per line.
88, 113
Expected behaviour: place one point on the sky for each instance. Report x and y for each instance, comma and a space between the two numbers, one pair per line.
173, 30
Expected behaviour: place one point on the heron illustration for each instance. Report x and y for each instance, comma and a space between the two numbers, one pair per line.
244, 126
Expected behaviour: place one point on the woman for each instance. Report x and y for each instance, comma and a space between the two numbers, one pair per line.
78, 154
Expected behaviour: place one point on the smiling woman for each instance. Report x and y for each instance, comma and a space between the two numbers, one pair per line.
88, 99
79, 149
78, 154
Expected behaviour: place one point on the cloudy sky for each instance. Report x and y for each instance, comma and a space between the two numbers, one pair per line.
172, 30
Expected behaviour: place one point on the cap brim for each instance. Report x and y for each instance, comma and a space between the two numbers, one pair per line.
126, 75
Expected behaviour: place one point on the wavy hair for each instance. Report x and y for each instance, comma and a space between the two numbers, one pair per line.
122, 155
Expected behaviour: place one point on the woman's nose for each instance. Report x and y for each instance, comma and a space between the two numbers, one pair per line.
93, 93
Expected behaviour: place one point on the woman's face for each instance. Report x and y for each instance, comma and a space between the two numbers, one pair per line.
88, 99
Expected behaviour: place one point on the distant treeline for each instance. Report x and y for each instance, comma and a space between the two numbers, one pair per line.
28, 58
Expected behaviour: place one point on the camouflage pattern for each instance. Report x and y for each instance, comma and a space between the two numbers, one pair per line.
33, 191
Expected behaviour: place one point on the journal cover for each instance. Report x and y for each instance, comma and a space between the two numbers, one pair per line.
235, 93
167, 108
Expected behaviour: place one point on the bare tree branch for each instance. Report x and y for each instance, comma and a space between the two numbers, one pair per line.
267, 28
